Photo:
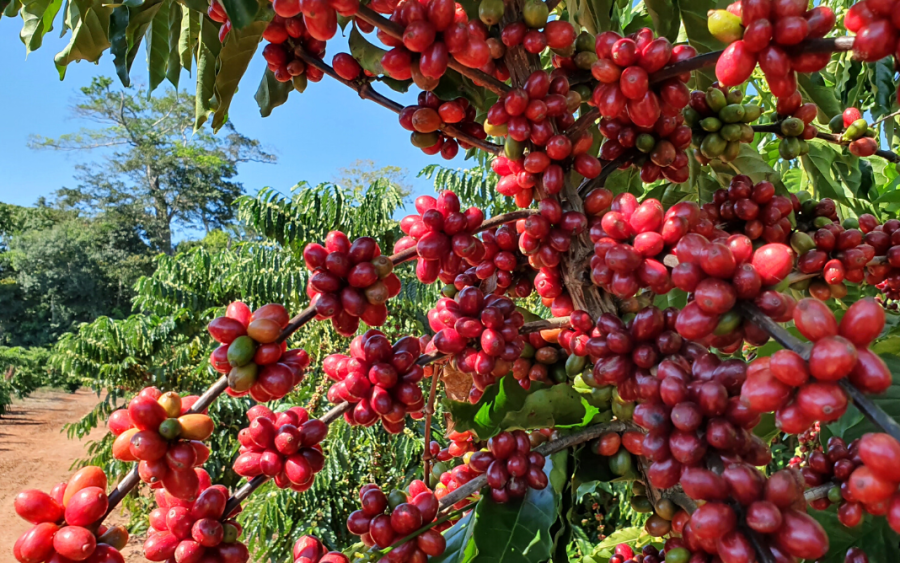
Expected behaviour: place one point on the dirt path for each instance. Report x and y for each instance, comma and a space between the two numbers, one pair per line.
36, 454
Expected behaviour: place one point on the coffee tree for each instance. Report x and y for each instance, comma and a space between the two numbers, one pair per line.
704, 197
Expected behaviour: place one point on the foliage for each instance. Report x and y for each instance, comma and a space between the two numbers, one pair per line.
154, 171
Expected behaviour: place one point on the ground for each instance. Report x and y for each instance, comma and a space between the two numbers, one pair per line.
36, 454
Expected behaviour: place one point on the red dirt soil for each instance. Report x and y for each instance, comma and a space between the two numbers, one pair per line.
36, 454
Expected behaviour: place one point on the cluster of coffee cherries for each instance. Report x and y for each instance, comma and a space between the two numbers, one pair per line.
855, 130
381, 527
630, 238
876, 29
546, 362
292, 32
721, 123
510, 465
382, 381
283, 446
838, 352
350, 282
841, 254
637, 114
64, 522
546, 236
720, 272
256, 362
502, 257
195, 531
752, 209
431, 114
309, 549
433, 32
534, 32
673, 552
481, 332
160, 431
761, 31
864, 479
618, 449
774, 508
443, 237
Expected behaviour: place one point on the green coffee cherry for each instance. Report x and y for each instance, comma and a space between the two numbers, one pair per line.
715, 99
728, 323
691, 116
821, 222
850, 223
836, 124
513, 149
584, 60
789, 148
747, 133
732, 132
731, 152
751, 113
732, 113
645, 142
792, 127
734, 96
802, 243
713, 146
585, 42
711, 124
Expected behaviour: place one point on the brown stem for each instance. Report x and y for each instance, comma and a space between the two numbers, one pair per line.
396, 31
544, 324
429, 413
583, 122
366, 92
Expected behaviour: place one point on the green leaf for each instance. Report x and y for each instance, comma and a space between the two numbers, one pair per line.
882, 79
507, 406
37, 20
271, 93
693, 15
628, 180
818, 165
751, 163
11, 10
237, 52
241, 12
90, 35
874, 535
118, 24
368, 55
593, 15
187, 40
460, 548
814, 89
517, 531
173, 66
4, 5
139, 18
158, 46
207, 51
666, 17
635, 537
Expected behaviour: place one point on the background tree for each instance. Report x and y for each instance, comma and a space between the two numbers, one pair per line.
154, 167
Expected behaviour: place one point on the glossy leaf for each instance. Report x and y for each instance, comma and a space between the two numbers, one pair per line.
207, 52
173, 65
158, 45
517, 531
506, 406
368, 55
90, 34
666, 17
37, 20
188, 38
237, 52
873, 535
118, 25
460, 547
271, 93
241, 12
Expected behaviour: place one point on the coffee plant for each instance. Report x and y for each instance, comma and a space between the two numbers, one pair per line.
701, 208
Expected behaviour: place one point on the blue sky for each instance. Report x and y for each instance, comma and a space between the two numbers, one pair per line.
313, 134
